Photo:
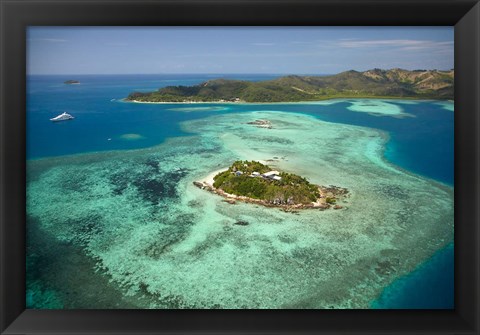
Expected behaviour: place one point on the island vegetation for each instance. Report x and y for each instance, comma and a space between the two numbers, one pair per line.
376, 83
252, 181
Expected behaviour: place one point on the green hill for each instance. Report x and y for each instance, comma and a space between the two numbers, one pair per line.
289, 189
376, 83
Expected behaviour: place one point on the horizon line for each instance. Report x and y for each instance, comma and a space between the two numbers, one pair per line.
224, 73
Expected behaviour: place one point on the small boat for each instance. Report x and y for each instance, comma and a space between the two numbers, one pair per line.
62, 117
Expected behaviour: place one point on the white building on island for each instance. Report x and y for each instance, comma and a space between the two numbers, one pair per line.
272, 175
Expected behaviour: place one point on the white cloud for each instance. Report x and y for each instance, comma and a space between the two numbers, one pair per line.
400, 44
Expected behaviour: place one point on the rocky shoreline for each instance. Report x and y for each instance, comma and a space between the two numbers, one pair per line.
330, 196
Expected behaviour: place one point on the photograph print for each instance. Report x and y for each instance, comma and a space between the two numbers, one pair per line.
240, 167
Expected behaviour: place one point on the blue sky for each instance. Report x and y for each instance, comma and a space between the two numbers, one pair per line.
279, 50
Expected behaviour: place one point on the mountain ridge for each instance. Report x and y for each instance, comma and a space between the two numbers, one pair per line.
392, 83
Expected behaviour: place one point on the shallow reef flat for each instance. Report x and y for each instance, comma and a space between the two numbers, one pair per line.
163, 243
199, 109
377, 107
448, 105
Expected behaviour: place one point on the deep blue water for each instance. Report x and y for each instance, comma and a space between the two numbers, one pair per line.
422, 144
430, 286
97, 117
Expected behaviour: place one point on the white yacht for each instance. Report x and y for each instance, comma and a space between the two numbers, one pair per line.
62, 117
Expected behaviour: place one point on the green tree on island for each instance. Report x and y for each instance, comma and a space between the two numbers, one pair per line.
246, 178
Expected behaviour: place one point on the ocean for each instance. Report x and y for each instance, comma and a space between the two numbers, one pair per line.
418, 138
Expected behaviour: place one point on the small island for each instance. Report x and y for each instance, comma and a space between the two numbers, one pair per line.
71, 82
254, 182
376, 83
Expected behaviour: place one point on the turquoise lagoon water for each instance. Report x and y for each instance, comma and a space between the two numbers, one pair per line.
417, 137
100, 113
422, 144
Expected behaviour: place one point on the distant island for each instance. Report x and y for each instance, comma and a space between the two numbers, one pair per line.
254, 182
376, 83
70, 82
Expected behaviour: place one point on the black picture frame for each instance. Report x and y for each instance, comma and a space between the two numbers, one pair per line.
16, 15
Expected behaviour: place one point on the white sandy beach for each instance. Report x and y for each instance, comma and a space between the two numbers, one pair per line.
209, 179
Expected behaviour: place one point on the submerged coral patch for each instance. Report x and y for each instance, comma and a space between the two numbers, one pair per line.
448, 105
376, 107
131, 137
199, 109
150, 239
